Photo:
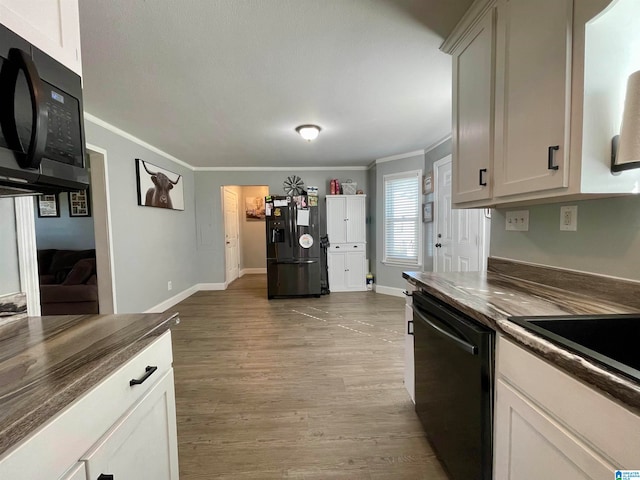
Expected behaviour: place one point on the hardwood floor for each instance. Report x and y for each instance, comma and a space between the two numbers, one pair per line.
295, 388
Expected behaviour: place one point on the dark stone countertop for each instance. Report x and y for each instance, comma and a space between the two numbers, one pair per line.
48, 362
491, 298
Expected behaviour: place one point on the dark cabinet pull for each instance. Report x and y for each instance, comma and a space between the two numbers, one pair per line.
410, 327
482, 182
139, 381
438, 245
105, 476
407, 293
550, 164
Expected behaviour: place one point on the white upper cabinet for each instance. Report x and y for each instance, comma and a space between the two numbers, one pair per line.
473, 81
51, 25
537, 95
346, 219
533, 60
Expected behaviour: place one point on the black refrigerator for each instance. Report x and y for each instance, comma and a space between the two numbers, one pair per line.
293, 246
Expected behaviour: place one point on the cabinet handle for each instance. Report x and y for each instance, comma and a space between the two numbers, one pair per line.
483, 183
139, 381
105, 476
355, 246
337, 247
410, 327
407, 293
550, 164
438, 245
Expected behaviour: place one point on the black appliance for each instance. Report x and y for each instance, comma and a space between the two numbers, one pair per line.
42, 145
454, 366
293, 246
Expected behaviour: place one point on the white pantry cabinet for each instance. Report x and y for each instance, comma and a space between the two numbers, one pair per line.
108, 426
522, 83
548, 424
51, 25
346, 229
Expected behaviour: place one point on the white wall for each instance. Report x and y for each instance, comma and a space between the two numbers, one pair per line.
151, 246
9, 273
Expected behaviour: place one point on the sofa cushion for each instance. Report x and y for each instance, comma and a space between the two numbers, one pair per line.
47, 279
44, 260
68, 293
64, 260
81, 272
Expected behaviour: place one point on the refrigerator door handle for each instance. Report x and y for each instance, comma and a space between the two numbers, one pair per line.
290, 227
296, 262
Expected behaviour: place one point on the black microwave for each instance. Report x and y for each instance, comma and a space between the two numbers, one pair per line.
42, 145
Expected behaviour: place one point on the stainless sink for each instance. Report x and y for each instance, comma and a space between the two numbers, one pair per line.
610, 340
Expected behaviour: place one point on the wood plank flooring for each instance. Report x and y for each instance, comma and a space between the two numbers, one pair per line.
295, 388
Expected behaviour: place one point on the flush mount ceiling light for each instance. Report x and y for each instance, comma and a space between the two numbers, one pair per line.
308, 132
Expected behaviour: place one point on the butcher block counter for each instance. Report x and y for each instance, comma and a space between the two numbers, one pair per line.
47, 363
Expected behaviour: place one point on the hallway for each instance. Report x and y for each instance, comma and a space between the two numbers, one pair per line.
306, 388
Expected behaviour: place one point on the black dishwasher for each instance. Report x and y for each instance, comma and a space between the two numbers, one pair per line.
454, 364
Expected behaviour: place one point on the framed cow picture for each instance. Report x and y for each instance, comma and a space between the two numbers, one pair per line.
158, 187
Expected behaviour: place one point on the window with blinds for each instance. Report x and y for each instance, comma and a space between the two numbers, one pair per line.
402, 221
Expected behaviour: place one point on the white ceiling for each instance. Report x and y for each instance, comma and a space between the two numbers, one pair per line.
224, 83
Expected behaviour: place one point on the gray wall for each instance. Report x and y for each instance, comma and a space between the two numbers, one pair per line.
253, 238
371, 218
9, 272
64, 232
391, 275
150, 245
607, 240
209, 221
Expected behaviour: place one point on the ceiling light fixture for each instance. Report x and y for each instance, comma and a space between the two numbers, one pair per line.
308, 132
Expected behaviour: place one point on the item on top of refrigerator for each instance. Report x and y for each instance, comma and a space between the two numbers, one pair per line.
293, 185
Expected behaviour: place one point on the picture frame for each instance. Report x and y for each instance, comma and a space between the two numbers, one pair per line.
48, 206
157, 187
427, 212
254, 208
427, 183
79, 203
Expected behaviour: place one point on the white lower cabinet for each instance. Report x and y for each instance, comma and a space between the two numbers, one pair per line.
409, 375
142, 445
347, 268
547, 424
78, 472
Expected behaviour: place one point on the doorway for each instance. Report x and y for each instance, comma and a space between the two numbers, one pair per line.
461, 236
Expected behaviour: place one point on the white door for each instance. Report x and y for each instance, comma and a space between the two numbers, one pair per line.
460, 235
355, 271
336, 263
336, 219
231, 250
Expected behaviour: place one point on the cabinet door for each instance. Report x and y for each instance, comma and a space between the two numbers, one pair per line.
356, 220
531, 445
533, 62
51, 25
473, 100
355, 271
336, 219
143, 444
78, 472
336, 263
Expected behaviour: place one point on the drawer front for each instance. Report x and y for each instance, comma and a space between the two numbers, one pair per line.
609, 428
348, 247
84, 421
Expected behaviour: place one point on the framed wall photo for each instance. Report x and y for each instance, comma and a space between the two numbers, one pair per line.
427, 212
48, 206
158, 187
79, 204
427, 183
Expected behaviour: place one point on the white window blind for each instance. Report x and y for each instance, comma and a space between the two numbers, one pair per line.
402, 220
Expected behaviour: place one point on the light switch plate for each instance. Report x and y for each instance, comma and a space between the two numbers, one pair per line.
518, 221
569, 218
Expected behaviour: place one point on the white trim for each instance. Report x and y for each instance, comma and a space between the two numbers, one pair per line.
437, 144
101, 123
471, 17
271, 169
27, 253
393, 291
252, 271
400, 156
211, 286
108, 242
170, 302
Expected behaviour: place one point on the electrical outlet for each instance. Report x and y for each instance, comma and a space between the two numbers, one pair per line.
569, 218
169, 285
518, 221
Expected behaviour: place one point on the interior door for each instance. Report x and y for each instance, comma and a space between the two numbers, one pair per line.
460, 233
231, 251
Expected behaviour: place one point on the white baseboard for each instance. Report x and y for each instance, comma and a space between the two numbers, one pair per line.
211, 286
252, 271
393, 291
170, 302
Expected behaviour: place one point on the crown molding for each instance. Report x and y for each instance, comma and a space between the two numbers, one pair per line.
438, 143
400, 156
272, 169
468, 20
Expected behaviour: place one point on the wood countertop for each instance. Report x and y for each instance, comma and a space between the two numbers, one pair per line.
494, 296
48, 362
